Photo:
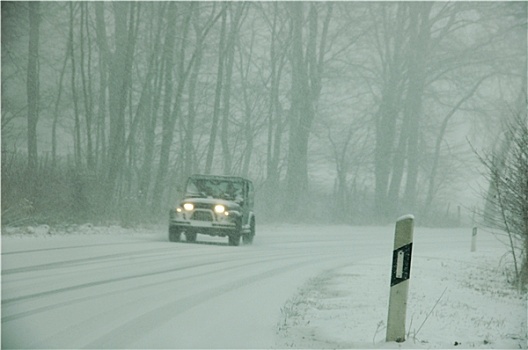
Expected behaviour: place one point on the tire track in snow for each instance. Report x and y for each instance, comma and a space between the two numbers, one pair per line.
94, 259
8, 302
87, 330
107, 281
93, 297
98, 283
130, 331
92, 265
67, 247
76, 262
134, 329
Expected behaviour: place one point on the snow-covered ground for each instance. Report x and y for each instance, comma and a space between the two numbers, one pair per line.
297, 286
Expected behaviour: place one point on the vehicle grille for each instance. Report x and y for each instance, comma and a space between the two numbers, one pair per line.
202, 205
202, 215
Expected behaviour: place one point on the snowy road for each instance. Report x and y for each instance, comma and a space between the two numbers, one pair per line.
296, 286
121, 291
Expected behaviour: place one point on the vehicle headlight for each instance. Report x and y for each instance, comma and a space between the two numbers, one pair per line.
219, 209
188, 206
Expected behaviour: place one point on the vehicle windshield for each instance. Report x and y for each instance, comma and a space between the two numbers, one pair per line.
215, 188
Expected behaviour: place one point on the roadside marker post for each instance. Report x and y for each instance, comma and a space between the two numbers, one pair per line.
474, 240
401, 271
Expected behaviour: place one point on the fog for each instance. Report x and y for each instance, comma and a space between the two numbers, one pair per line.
345, 112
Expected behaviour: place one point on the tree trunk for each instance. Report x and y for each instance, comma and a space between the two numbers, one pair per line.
152, 113
218, 93
196, 63
300, 115
389, 109
306, 87
235, 23
77, 126
119, 84
33, 86
56, 112
409, 134
188, 143
170, 116
275, 120
104, 61
248, 129
87, 85
419, 48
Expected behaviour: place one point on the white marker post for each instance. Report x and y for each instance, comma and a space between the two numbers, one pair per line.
401, 271
474, 240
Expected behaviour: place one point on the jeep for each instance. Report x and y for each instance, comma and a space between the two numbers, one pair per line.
215, 206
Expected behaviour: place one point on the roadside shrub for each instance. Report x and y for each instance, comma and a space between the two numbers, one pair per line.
507, 197
53, 194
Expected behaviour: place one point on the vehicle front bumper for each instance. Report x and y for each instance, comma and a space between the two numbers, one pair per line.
205, 222
207, 228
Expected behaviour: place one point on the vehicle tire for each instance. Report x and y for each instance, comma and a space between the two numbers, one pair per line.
248, 238
234, 239
190, 236
174, 234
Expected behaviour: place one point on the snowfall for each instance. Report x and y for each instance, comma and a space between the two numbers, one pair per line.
297, 286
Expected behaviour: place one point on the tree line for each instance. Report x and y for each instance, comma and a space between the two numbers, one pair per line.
107, 107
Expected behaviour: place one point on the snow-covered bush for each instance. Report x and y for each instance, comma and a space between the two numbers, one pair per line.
52, 194
507, 197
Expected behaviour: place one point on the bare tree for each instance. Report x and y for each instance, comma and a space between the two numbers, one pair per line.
57, 109
218, 91
391, 45
279, 47
307, 68
188, 143
508, 177
438, 143
236, 19
33, 85
419, 54
75, 98
86, 79
184, 68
